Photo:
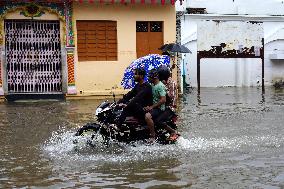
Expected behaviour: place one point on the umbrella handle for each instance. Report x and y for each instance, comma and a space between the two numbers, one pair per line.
113, 95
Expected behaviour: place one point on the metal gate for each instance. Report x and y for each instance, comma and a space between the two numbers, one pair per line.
33, 56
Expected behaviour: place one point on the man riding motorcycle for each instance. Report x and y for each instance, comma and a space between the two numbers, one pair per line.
109, 114
136, 99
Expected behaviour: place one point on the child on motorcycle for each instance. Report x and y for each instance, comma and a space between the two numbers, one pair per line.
159, 99
165, 77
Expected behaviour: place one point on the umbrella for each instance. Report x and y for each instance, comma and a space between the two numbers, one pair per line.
148, 62
175, 47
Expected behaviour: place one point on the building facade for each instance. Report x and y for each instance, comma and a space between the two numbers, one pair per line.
78, 48
233, 23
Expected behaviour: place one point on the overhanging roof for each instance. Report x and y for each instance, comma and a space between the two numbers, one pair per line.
162, 2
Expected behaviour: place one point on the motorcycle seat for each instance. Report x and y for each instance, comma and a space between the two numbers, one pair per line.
131, 120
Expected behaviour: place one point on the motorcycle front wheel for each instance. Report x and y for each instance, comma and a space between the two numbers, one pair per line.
93, 130
89, 128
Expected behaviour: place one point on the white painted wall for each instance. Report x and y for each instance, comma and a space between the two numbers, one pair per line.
236, 34
252, 7
236, 72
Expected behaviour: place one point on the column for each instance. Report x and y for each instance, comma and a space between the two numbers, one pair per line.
70, 47
71, 89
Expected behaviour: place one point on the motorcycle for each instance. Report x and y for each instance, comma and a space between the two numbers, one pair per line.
131, 130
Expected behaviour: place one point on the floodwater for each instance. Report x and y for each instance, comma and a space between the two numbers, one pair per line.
231, 138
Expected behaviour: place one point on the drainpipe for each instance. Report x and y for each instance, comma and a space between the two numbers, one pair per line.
1, 70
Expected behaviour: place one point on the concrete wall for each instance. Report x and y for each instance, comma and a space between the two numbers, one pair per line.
235, 72
235, 34
102, 77
252, 7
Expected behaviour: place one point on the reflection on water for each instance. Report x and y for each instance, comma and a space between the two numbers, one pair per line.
229, 136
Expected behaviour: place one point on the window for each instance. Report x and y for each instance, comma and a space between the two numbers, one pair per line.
145, 33
97, 40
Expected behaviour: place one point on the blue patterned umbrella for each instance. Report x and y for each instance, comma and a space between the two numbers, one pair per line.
148, 62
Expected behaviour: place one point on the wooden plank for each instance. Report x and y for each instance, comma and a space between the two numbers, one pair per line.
92, 52
90, 32
101, 58
112, 54
91, 59
82, 58
91, 41
83, 54
102, 32
111, 28
92, 26
101, 46
111, 46
81, 41
111, 35
81, 38
101, 28
101, 41
81, 24
101, 37
91, 45
82, 46
142, 44
88, 37
101, 51
157, 43
112, 41
110, 23
81, 28
112, 58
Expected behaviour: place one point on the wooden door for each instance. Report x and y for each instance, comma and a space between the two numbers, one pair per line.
149, 37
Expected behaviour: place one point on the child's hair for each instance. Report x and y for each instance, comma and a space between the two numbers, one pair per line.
153, 74
140, 71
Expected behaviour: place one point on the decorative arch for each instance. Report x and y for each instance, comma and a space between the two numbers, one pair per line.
63, 10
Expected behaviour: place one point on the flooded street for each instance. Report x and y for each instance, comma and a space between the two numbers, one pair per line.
231, 138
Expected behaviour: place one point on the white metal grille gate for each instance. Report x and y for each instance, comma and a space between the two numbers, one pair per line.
33, 56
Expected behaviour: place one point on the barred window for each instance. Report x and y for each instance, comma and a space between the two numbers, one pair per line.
97, 40
156, 26
141, 26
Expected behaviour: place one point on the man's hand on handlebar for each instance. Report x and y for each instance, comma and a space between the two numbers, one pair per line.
122, 105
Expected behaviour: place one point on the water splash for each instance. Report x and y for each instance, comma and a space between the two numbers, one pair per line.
235, 143
61, 147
